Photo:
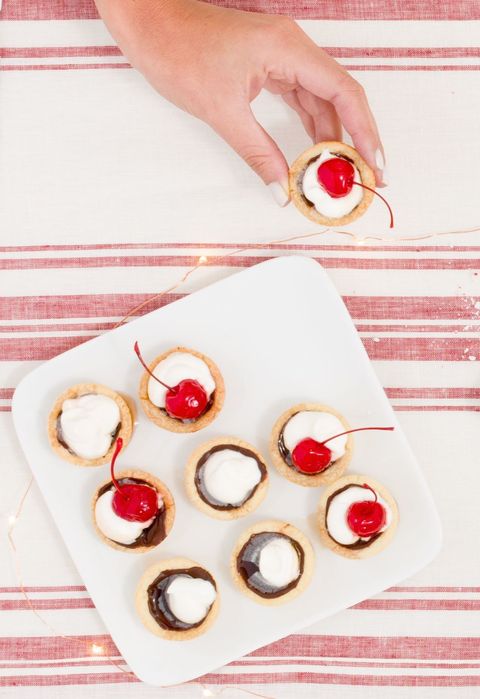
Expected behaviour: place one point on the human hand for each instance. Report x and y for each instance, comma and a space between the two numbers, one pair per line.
212, 62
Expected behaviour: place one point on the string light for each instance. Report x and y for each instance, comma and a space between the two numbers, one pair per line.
96, 649
281, 241
157, 296
201, 260
412, 239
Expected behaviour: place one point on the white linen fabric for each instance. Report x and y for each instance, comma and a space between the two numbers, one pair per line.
108, 195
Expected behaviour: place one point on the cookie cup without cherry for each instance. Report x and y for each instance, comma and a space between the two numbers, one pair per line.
297, 171
161, 418
143, 611
332, 472
127, 414
378, 544
248, 506
168, 506
277, 527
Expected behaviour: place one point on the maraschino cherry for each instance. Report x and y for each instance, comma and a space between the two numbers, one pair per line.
336, 177
366, 517
185, 401
132, 501
310, 456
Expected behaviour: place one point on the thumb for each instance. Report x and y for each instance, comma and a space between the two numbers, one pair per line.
257, 148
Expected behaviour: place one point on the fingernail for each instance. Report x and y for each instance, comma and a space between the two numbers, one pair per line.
379, 159
385, 177
381, 168
279, 193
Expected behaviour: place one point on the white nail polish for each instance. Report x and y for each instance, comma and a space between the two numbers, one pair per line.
279, 193
385, 177
379, 159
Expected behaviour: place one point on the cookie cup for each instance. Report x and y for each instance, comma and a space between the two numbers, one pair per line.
168, 505
297, 171
194, 496
378, 544
159, 416
127, 414
143, 611
276, 527
332, 472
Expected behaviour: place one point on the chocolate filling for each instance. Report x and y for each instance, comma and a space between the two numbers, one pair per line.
200, 484
302, 175
361, 543
190, 420
248, 565
286, 454
150, 536
158, 600
60, 435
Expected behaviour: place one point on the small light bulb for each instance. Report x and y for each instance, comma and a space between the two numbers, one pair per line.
207, 693
202, 259
96, 649
359, 241
11, 520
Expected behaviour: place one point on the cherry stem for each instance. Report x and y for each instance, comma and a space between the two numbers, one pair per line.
358, 429
118, 449
360, 184
142, 362
369, 487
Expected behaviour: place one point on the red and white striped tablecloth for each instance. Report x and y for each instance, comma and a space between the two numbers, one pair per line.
108, 195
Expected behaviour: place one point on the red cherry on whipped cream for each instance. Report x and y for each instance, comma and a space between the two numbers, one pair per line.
310, 456
185, 401
336, 176
366, 517
132, 501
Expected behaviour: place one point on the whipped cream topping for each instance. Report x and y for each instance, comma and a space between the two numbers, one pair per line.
332, 207
278, 563
316, 425
230, 476
189, 599
116, 528
337, 524
88, 424
177, 367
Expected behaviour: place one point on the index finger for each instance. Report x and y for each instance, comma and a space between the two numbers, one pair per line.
317, 72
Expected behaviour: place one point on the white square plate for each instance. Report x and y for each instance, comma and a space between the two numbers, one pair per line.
280, 335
